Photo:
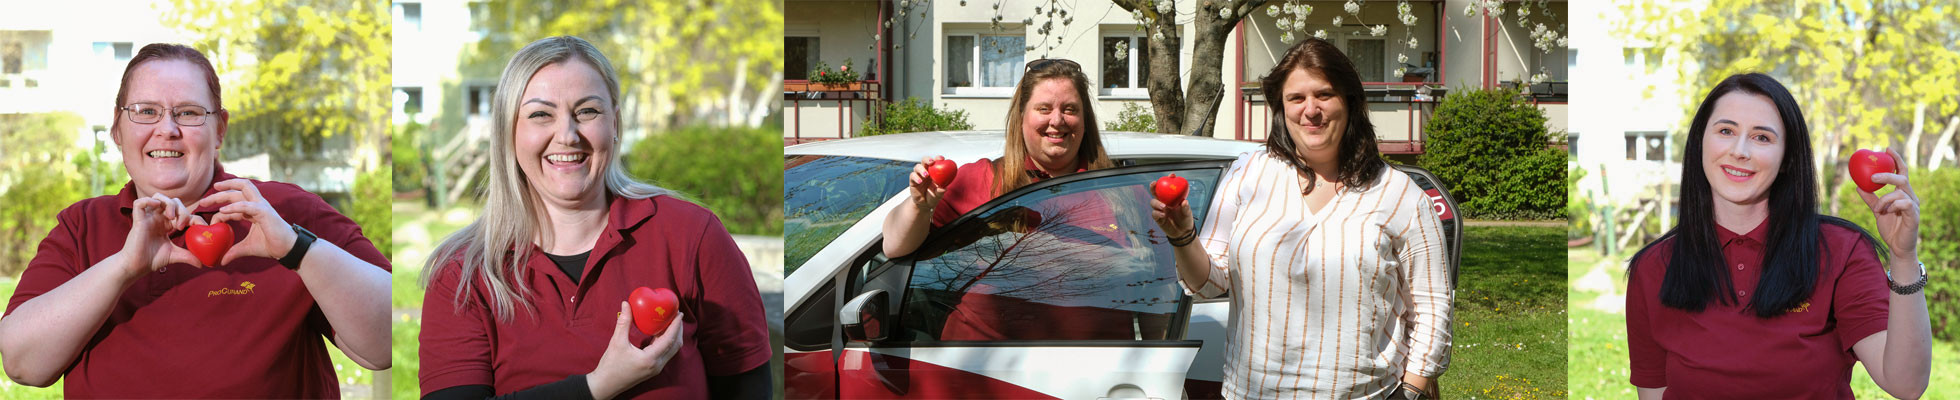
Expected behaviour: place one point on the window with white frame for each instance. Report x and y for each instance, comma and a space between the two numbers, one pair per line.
1369, 55
799, 56
1646, 146
479, 100
408, 16
1125, 64
984, 64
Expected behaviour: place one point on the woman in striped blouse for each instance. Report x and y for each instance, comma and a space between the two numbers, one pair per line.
1335, 264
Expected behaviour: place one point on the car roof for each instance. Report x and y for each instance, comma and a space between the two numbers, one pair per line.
965, 146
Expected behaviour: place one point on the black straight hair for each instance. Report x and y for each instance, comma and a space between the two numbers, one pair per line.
1696, 273
1358, 157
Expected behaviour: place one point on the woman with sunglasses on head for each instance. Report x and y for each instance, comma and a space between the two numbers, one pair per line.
115, 305
1334, 261
1753, 294
1051, 131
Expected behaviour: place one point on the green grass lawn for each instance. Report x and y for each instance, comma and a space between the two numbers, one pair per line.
417, 231
1510, 315
1599, 355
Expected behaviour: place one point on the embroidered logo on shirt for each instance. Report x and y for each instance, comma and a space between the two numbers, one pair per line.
1801, 307
243, 288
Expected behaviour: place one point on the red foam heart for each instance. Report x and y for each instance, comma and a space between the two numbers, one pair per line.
208, 242
1170, 188
942, 172
653, 309
1865, 163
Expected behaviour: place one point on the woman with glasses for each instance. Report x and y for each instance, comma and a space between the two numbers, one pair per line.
529, 301
1753, 293
1334, 261
115, 305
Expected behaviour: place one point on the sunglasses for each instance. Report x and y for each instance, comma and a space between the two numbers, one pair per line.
1047, 62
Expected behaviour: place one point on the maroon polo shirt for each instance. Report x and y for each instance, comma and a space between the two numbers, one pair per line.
1726, 352
246, 329
660, 242
973, 186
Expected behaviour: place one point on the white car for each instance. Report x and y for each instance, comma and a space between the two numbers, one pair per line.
1061, 289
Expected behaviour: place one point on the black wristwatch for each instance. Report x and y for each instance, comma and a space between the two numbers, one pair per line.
301, 241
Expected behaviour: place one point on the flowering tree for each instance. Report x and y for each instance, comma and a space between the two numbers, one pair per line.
1188, 107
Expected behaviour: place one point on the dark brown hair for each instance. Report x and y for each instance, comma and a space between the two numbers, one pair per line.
1357, 156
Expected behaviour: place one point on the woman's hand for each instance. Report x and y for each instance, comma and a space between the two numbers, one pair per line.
625, 365
1897, 213
925, 194
153, 220
1175, 219
271, 237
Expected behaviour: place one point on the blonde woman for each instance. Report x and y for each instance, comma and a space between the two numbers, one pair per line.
529, 300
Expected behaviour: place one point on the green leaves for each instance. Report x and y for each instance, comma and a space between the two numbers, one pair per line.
1492, 149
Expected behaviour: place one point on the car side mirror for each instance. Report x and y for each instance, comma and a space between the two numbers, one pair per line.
863, 317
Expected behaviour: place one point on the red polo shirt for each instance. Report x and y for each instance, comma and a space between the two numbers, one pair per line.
1726, 352
246, 329
1077, 219
661, 242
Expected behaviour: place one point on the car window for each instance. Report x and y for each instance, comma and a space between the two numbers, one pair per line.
1074, 259
824, 195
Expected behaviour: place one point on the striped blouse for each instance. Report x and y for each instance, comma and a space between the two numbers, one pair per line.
1335, 304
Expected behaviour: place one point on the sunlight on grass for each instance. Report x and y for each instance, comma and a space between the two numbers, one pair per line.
1510, 335
1598, 353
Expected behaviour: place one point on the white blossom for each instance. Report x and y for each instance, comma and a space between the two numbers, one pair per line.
1224, 13
1402, 58
1159, 36
1378, 30
1412, 42
1164, 6
1272, 11
1352, 7
1468, 10
1399, 72
1408, 19
1337, 20
1322, 34
1286, 37
1299, 24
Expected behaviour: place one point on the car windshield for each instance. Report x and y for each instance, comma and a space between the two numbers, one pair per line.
824, 195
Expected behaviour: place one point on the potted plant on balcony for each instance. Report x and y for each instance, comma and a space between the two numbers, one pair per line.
842, 79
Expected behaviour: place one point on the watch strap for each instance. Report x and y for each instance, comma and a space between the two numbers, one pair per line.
302, 241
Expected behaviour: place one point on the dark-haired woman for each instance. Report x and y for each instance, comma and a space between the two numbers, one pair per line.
1753, 294
1335, 263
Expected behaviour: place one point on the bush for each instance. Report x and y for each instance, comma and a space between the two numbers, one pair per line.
410, 166
1491, 147
373, 208
1578, 209
735, 172
1939, 239
1135, 117
913, 115
43, 173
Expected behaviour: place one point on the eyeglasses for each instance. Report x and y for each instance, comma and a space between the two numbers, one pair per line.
1045, 62
150, 113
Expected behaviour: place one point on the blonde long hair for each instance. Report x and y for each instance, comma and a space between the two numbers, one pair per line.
1008, 171
494, 249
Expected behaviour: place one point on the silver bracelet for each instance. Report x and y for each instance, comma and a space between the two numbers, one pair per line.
1907, 289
